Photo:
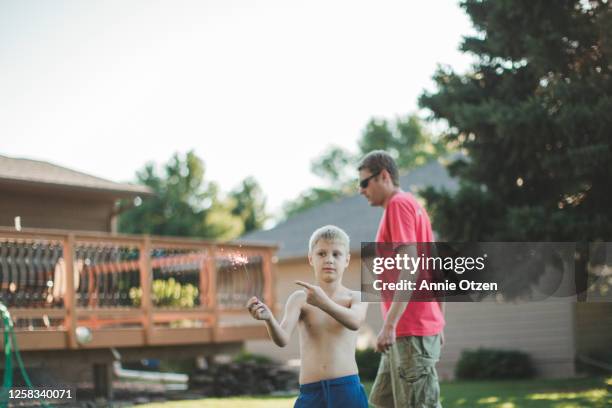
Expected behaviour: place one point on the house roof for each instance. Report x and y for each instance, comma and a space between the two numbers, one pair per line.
17, 171
352, 213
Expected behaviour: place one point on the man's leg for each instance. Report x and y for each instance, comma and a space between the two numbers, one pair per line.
381, 395
414, 377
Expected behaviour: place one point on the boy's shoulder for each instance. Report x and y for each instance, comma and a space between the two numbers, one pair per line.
299, 296
355, 295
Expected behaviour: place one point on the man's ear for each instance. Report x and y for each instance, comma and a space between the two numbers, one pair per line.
348, 258
385, 175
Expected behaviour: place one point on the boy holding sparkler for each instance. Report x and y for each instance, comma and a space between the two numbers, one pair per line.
328, 316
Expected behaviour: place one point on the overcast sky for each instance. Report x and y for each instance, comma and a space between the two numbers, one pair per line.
256, 88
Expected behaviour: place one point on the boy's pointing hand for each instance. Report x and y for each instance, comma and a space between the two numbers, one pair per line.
314, 294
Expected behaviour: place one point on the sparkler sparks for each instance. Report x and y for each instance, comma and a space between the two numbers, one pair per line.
238, 259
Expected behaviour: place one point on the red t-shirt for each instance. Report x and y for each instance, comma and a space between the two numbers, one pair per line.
405, 221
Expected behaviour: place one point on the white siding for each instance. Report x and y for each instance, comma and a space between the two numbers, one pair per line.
542, 329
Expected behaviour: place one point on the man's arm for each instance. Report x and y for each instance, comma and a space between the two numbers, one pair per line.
280, 333
350, 317
386, 336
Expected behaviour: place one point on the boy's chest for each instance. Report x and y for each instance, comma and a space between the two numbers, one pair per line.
315, 319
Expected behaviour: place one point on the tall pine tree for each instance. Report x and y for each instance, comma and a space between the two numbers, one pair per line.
534, 116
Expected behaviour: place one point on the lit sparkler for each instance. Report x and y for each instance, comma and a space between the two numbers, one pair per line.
238, 259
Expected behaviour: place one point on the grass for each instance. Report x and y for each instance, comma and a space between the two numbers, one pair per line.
228, 402
565, 393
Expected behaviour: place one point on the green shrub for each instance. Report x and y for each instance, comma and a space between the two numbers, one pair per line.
488, 364
168, 293
181, 365
367, 361
245, 356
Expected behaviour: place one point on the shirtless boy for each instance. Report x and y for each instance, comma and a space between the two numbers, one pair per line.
328, 316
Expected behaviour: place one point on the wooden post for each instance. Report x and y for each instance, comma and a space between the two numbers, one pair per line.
69, 295
204, 281
103, 380
146, 274
211, 270
268, 291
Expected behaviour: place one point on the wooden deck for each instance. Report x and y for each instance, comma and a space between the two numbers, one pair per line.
129, 291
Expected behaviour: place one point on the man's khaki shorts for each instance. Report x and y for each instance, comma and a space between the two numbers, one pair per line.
407, 374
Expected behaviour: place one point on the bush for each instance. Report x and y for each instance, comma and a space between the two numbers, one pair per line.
245, 356
179, 365
488, 364
367, 361
168, 293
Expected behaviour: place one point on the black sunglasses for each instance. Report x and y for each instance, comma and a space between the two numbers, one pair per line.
364, 183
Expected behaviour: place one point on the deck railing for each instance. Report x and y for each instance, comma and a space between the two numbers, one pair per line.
128, 290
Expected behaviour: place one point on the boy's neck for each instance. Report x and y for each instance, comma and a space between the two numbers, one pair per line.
330, 287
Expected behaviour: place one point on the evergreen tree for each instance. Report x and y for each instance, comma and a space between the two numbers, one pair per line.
534, 117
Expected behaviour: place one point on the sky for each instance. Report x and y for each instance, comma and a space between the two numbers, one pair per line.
256, 88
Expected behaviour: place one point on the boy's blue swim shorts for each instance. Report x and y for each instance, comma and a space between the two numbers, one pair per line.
342, 392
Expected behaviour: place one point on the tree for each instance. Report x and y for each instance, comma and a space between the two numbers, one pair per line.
309, 199
534, 117
334, 166
248, 203
405, 138
183, 204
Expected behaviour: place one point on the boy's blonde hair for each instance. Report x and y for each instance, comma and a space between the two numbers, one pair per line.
330, 233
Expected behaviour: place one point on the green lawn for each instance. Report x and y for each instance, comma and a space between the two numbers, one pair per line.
567, 393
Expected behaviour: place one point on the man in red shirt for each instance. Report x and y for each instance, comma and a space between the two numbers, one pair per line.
413, 332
